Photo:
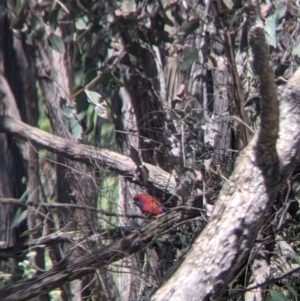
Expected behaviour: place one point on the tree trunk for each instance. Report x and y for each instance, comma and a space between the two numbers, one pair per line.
13, 169
246, 199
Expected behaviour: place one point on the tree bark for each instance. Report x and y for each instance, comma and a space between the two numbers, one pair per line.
246, 199
87, 154
12, 165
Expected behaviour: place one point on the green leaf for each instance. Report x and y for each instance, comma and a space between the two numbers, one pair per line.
189, 26
101, 111
105, 79
135, 49
159, 243
229, 4
99, 108
81, 100
295, 258
80, 115
18, 5
19, 217
296, 50
183, 240
56, 43
292, 291
67, 109
81, 23
75, 128
127, 6
92, 96
189, 59
70, 119
278, 296
270, 30
21, 17
281, 11
90, 121
35, 22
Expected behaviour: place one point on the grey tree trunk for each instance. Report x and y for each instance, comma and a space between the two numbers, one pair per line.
246, 199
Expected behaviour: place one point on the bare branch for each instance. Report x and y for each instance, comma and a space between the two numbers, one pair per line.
87, 154
64, 205
73, 237
68, 270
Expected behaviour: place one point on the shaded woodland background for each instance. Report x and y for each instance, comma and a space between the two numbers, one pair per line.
163, 83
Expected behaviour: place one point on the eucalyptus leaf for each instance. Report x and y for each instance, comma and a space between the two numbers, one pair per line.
67, 109
292, 291
90, 121
281, 11
105, 79
295, 258
81, 99
270, 30
92, 96
278, 296
19, 217
75, 128
159, 243
81, 23
56, 43
70, 119
101, 112
35, 22
229, 4
80, 115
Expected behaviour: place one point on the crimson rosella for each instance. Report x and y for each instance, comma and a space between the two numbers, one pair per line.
148, 204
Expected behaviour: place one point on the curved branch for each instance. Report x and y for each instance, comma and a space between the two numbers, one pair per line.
269, 126
87, 154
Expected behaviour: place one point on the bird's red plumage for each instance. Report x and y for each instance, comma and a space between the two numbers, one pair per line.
150, 205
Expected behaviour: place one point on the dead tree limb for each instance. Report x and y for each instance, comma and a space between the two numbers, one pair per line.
113, 161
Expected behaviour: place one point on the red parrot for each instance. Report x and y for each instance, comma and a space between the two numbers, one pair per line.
148, 205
